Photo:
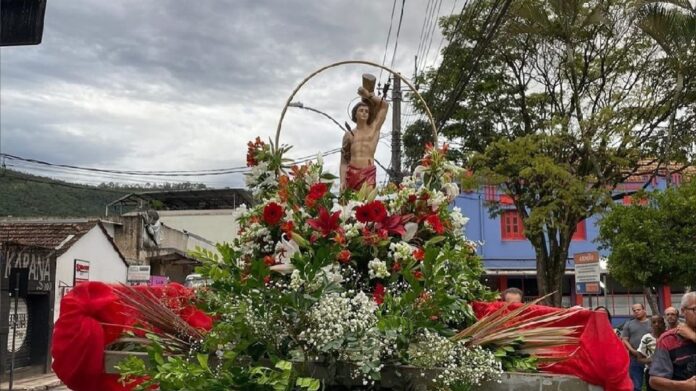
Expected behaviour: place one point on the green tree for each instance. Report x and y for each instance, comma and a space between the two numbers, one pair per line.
672, 25
570, 99
653, 244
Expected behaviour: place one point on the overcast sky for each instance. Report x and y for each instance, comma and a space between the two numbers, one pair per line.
183, 85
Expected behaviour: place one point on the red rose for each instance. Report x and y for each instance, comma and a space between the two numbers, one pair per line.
310, 202
417, 274
287, 228
362, 213
419, 254
344, 256
272, 213
378, 294
435, 223
317, 190
373, 211
377, 211
269, 260
396, 267
196, 318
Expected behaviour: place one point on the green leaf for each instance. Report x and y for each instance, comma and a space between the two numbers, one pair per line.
203, 360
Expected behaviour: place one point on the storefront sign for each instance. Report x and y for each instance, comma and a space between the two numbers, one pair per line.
81, 272
18, 334
587, 273
139, 273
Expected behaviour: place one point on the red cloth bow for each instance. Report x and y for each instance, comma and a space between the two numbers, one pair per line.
600, 358
91, 317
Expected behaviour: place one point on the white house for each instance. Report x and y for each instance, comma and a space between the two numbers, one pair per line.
84, 251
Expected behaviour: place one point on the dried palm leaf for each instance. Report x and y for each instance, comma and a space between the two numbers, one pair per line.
176, 335
533, 335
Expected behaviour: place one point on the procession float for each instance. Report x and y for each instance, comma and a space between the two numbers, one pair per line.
334, 283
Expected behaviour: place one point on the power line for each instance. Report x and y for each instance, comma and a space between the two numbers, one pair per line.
477, 52
425, 20
10, 175
398, 32
214, 171
386, 45
432, 35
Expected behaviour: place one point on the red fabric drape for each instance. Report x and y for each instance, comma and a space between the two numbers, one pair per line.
600, 358
83, 330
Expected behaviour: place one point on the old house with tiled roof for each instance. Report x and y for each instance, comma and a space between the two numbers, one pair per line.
48, 258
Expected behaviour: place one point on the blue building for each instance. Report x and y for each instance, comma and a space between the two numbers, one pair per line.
509, 257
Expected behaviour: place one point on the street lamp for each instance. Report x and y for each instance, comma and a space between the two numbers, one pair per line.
301, 105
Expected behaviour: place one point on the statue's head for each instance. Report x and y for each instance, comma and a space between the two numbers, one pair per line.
366, 108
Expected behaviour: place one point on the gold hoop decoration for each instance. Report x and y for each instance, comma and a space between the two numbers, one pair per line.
322, 69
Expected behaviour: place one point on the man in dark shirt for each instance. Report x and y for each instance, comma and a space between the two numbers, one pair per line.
674, 362
632, 332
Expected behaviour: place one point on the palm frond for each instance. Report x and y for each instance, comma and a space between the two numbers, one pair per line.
534, 335
176, 334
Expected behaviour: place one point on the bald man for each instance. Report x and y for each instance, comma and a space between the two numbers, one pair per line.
671, 317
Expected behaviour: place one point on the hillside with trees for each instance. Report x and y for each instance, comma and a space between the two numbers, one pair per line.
25, 195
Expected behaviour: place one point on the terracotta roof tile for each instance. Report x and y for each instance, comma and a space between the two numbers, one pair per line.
44, 234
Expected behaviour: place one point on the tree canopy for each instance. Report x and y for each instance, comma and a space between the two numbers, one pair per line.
569, 99
653, 242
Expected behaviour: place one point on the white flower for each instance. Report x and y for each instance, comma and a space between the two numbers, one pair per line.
411, 229
378, 269
283, 268
332, 273
451, 190
436, 199
296, 280
458, 220
285, 249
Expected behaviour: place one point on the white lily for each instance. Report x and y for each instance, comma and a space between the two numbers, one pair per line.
285, 249
283, 268
451, 190
411, 229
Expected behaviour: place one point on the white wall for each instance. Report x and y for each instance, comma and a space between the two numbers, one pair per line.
216, 226
104, 262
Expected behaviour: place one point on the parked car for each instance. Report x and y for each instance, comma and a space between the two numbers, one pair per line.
196, 280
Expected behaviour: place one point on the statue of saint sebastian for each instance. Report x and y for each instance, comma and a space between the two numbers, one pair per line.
358, 150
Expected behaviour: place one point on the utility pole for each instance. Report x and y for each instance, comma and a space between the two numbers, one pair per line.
395, 174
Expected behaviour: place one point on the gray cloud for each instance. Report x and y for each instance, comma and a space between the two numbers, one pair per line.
183, 85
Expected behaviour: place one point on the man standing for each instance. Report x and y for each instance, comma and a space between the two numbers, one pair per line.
674, 362
358, 150
671, 317
632, 332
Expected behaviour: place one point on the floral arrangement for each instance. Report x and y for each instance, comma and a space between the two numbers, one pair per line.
367, 278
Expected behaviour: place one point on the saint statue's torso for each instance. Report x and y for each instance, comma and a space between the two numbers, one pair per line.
363, 146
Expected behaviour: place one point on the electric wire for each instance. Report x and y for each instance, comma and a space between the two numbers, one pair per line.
398, 32
386, 45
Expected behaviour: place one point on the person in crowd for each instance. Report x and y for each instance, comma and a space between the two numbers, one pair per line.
673, 365
648, 343
512, 295
631, 335
671, 317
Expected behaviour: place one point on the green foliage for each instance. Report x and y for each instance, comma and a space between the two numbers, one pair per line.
25, 195
567, 100
653, 244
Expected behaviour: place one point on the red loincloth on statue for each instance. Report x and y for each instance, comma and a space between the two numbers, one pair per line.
600, 358
356, 177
